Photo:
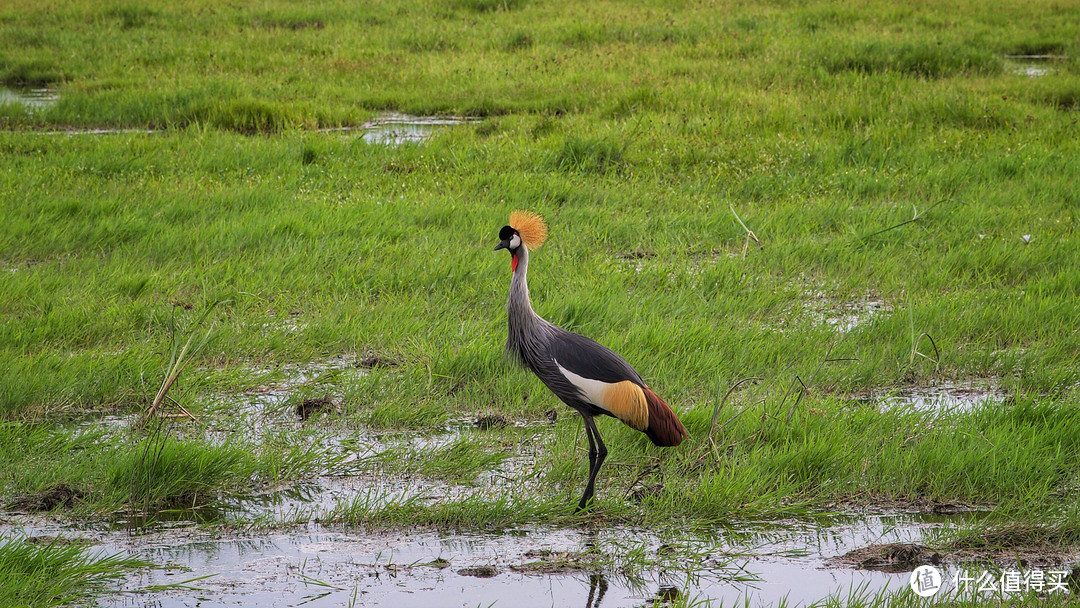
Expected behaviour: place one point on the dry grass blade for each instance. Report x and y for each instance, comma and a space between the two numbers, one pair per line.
178, 361
749, 233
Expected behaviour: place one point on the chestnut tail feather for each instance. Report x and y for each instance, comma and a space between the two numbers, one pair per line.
665, 429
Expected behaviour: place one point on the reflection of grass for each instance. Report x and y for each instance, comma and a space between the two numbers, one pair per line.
56, 573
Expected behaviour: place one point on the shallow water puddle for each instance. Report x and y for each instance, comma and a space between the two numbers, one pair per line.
395, 129
610, 567
303, 562
849, 315
843, 317
1032, 66
947, 396
34, 98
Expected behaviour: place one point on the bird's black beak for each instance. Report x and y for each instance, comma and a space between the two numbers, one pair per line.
502, 245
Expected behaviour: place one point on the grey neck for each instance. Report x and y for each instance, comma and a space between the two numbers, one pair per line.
528, 331
518, 305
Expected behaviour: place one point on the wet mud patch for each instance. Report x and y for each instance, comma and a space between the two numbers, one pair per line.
281, 398
372, 360
676, 267
1013, 543
636, 254
546, 561
308, 407
483, 571
844, 316
889, 557
60, 495
491, 421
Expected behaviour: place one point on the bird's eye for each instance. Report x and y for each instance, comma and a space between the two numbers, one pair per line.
515, 242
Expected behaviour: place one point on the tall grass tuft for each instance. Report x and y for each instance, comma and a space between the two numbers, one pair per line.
247, 116
55, 574
179, 359
588, 155
923, 59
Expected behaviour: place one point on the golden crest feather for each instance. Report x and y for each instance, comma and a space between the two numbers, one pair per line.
530, 226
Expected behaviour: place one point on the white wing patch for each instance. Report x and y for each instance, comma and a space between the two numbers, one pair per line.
624, 400
592, 390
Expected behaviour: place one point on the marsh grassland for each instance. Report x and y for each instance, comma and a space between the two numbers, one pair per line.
251, 325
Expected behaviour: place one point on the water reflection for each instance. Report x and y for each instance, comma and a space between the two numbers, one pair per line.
33, 98
597, 588
610, 567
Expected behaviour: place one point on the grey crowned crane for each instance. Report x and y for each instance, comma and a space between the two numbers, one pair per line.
585, 375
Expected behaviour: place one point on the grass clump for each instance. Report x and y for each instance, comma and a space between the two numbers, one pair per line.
247, 116
131, 16
146, 474
29, 73
588, 156
922, 59
459, 461
55, 573
171, 474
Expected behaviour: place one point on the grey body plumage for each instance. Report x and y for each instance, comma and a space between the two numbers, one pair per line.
543, 347
588, 377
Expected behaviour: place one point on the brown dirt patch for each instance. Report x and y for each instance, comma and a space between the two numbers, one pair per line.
372, 359
551, 562
491, 421
479, 571
889, 557
308, 407
59, 495
1023, 543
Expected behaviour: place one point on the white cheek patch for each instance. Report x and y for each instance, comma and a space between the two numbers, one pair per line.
515, 242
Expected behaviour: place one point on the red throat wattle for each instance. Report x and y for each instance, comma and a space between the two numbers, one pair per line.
513, 262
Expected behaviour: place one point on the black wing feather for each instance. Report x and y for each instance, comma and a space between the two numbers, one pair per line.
590, 359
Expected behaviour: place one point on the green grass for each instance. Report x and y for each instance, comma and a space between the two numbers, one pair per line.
761, 467
145, 474
879, 152
56, 573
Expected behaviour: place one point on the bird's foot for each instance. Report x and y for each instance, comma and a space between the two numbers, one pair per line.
584, 506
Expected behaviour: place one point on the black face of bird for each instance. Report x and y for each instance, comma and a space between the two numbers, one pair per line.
509, 239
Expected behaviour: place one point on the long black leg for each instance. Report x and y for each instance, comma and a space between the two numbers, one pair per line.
592, 442
597, 454
592, 458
